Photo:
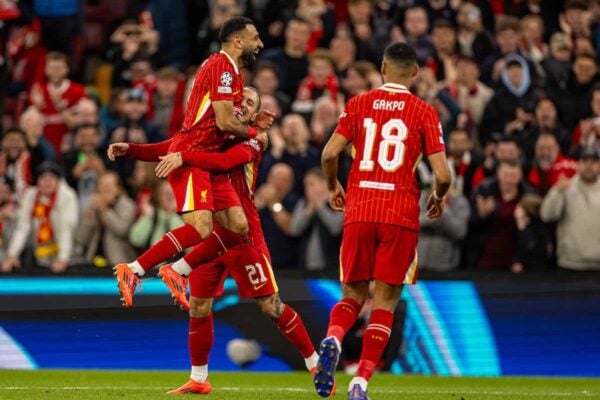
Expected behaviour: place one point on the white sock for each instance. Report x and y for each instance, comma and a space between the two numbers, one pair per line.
358, 380
311, 362
182, 267
199, 373
136, 268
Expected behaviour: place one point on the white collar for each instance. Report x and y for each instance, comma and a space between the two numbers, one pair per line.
235, 67
394, 87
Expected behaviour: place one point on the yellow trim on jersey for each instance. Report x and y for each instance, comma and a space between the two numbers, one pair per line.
353, 152
341, 267
268, 264
204, 104
188, 204
249, 174
409, 279
417, 162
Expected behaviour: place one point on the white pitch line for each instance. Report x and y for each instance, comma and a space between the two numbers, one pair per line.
300, 390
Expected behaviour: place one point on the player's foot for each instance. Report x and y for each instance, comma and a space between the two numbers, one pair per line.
357, 393
176, 283
193, 387
329, 355
313, 372
127, 281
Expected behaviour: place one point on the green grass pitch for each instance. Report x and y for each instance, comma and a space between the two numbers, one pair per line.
126, 385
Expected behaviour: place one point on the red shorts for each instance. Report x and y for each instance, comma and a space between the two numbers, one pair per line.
196, 189
250, 267
384, 252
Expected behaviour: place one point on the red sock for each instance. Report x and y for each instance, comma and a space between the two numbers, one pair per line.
375, 339
201, 338
219, 241
291, 326
343, 316
171, 244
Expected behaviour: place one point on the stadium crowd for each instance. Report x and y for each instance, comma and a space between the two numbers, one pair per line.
515, 83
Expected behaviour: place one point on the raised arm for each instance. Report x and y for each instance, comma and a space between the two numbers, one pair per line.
143, 152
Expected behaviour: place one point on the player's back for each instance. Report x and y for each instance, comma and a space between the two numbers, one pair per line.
217, 79
390, 129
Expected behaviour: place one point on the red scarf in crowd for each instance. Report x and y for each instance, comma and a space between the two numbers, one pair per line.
45, 245
308, 85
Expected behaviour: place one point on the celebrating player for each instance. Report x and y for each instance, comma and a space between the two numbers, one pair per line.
215, 98
389, 128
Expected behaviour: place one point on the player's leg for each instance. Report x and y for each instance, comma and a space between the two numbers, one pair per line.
357, 259
192, 188
206, 283
396, 263
291, 326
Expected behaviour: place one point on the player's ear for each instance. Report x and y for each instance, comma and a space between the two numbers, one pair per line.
415, 70
383, 67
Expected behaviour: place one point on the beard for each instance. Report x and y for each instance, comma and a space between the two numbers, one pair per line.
248, 58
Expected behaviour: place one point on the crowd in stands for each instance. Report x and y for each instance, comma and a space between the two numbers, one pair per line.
515, 82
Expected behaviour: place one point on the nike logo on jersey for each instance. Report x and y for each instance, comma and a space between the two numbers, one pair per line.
257, 287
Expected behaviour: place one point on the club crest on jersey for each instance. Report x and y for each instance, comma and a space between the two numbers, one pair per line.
226, 79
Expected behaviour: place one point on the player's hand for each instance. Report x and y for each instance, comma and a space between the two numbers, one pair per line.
435, 208
117, 150
168, 164
263, 138
337, 198
264, 120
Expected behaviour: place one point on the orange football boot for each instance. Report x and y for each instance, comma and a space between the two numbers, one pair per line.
176, 283
127, 281
193, 387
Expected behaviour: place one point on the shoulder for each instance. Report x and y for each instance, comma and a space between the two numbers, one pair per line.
66, 192
255, 146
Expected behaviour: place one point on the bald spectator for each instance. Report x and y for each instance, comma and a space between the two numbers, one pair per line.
575, 205
275, 202
291, 59
40, 150
549, 165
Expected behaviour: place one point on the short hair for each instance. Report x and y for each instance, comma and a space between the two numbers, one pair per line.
511, 163
363, 68
266, 65
577, 5
401, 54
443, 24
507, 23
321, 54
513, 63
57, 56
299, 19
14, 130
232, 26
531, 203
315, 171
79, 128
168, 73
255, 90
586, 55
508, 139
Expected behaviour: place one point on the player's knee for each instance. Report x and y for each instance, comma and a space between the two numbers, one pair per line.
240, 227
200, 308
271, 307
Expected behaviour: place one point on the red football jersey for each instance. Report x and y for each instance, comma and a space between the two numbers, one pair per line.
218, 79
390, 129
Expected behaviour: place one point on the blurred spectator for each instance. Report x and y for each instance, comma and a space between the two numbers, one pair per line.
320, 81
440, 240
361, 76
207, 35
8, 210
266, 81
587, 132
169, 23
549, 165
534, 242
46, 222
532, 41
496, 150
463, 161
158, 217
166, 102
416, 28
131, 42
469, 92
442, 61
492, 220
291, 147
84, 164
15, 161
291, 59
316, 224
55, 97
40, 150
513, 104
61, 23
473, 40
557, 64
85, 112
321, 19
343, 53
324, 120
583, 46
575, 205
576, 19
105, 222
427, 88
573, 100
370, 32
275, 202
28, 56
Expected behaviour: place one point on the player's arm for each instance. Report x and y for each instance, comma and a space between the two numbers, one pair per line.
436, 154
143, 152
227, 121
236, 156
